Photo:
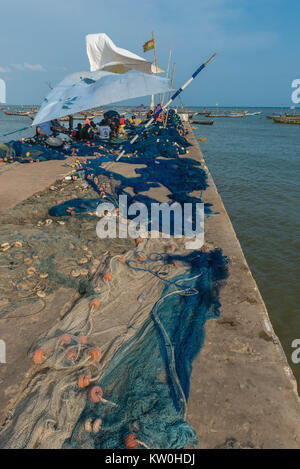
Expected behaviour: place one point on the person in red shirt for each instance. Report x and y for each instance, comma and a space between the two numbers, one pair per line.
158, 108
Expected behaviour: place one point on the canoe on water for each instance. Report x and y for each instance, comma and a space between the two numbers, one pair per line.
286, 120
203, 122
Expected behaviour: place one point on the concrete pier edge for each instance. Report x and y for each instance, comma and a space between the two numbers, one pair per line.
243, 391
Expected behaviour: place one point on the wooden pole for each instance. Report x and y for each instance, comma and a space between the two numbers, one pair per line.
172, 81
155, 58
167, 73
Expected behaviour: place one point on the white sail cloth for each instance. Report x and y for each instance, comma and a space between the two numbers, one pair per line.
2, 91
87, 90
103, 54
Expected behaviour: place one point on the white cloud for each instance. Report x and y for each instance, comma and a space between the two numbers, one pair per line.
30, 67
4, 69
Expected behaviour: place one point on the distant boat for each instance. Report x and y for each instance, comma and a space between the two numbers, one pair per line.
286, 120
203, 122
17, 113
225, 115
293, 116
253, 113
66, 118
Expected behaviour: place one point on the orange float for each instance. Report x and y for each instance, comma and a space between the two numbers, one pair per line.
108, 277
121, 259
131, 441
39, 356
83, 339
141, 257
95, 394
65, 339
94, 354
95, 304
71, 354
84, 381
138, 240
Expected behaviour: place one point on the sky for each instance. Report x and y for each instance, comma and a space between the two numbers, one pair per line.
256, 41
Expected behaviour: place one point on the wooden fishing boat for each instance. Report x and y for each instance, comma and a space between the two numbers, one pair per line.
225, 115
286, 120
293, 116
252, 113
17, 113
204, 122
79, 118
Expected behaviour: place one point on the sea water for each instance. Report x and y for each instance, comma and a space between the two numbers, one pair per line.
255, 164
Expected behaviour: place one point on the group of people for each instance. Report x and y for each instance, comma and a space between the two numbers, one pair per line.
109, 127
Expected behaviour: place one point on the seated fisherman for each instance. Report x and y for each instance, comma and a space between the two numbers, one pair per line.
122, 126
94, 131
84, 132
57, 128
114, 127
104, 130
44, 129
76, 132
149, 114
159, 117
132, 120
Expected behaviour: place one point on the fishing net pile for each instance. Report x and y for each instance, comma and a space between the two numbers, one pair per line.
40, 254
157, 140
115, 371
181, 176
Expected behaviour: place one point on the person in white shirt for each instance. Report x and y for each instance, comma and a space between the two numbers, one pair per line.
104, 130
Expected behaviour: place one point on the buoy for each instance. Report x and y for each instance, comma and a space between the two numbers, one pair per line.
97, 425
83, 260
141, 257
108, 277
88, 425
138, 240
131, 441
71, 354
39, 356
94, 354
44, 275
65, 339
95, 394
41, 294
95, 303
83, 339
84, 381
121, 259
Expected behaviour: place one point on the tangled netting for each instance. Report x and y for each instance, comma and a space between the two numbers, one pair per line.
168, 142
146, 385
122, 369
181, 176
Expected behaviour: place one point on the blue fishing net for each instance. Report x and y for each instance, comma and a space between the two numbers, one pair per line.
148, 378
181, 176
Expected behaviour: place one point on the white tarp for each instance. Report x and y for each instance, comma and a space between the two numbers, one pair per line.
87, 90
2, 91
103, 54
